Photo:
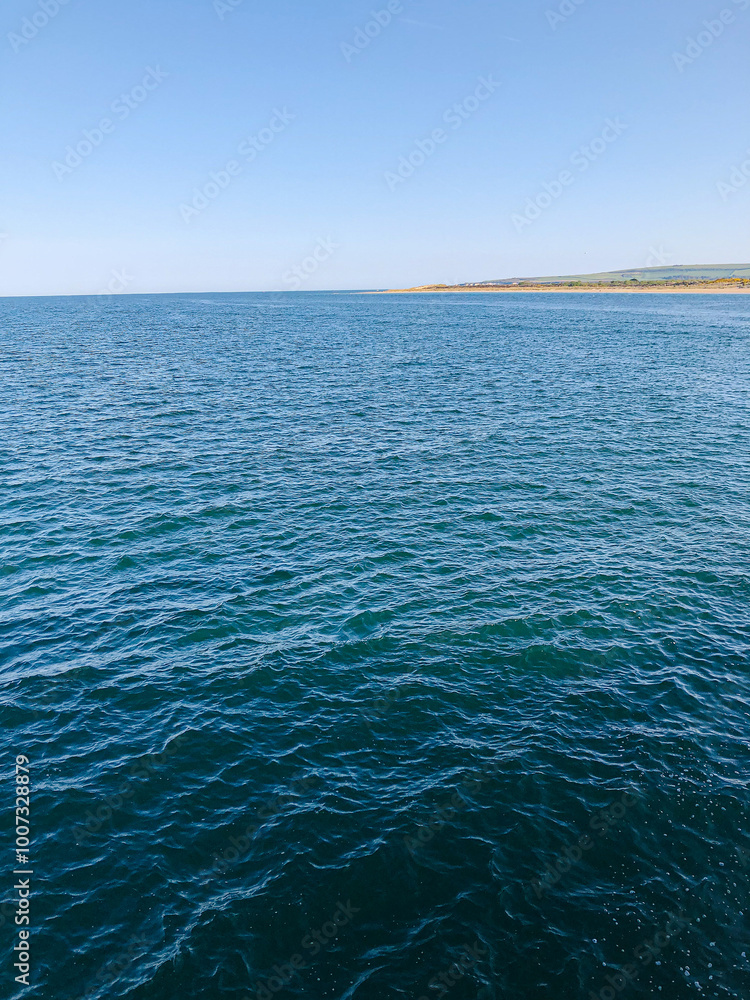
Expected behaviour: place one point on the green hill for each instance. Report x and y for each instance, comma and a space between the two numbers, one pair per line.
683, 272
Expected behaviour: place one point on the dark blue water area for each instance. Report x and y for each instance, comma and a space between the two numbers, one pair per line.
378, 647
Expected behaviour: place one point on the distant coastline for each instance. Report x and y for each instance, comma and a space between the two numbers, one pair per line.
651, 289
681, 279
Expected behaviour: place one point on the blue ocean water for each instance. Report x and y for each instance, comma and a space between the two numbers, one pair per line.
372, 647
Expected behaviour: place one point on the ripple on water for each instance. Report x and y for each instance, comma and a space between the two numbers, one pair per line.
429, 613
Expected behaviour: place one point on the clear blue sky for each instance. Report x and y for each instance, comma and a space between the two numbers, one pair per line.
327, 179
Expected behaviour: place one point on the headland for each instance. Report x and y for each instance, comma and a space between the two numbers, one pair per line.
729, 279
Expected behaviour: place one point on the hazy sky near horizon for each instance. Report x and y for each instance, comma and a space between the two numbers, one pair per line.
218, 145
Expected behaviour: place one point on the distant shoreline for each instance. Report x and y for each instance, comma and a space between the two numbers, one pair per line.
566, 290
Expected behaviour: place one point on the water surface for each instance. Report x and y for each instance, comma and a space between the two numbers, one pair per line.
354, 637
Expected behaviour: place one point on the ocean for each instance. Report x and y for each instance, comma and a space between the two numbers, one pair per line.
376, 647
